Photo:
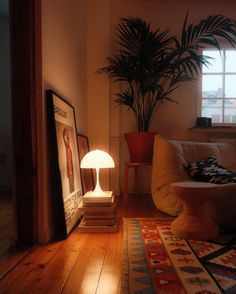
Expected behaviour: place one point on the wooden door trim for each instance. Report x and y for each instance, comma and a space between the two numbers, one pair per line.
26, 79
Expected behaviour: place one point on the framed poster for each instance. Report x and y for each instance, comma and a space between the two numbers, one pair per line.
86, 174
64, 140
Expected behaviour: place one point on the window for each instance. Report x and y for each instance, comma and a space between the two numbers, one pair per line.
219, 87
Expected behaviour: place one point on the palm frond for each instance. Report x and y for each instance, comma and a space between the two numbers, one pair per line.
207, 31
125, 98
136, 37
119, 68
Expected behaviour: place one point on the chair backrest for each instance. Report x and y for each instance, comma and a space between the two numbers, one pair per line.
170, 156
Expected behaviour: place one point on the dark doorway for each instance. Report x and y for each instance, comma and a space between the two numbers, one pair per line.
7, 224
26, 88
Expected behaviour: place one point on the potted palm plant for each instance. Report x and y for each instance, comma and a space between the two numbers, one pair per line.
154, 64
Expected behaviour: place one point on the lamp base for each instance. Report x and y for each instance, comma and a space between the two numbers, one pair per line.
90, 197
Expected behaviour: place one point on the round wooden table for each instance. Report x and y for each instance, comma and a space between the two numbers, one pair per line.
193, 222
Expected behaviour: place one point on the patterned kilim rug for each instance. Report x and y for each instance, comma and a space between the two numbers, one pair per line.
155, 261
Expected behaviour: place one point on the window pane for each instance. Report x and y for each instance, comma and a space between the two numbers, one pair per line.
211, 86
219, 87
212, 103
212, 108
230, 86
230, 62
230, 111
216, 62
230, 102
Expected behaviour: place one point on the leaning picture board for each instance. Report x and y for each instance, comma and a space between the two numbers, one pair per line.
63, 132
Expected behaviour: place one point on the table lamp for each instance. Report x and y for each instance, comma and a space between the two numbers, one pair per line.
97, 159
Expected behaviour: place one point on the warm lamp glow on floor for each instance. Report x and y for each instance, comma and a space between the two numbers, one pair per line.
97, 159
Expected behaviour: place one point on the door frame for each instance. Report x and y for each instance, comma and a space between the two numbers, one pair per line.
26, 87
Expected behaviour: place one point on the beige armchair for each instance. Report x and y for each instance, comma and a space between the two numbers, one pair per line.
169, 159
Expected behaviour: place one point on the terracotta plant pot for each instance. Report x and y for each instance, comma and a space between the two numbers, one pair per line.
140, 145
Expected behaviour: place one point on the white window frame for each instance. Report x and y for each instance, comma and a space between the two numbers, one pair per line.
199, 108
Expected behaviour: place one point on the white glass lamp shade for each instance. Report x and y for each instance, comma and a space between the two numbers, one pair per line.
97, 159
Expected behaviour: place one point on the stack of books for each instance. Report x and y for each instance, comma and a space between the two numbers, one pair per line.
99, 213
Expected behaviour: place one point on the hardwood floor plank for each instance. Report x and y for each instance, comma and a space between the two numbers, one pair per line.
59, 267
28, 269
141, 205
10, 260
110, 279
86, 273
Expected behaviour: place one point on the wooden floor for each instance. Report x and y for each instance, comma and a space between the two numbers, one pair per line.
83, 263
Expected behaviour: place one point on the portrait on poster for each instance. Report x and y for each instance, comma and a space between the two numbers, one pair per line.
68, 159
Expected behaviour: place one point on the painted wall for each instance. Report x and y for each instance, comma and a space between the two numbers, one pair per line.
5, 107
63, 60
98, 32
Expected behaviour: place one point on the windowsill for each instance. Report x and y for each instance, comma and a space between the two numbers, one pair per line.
214, 129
